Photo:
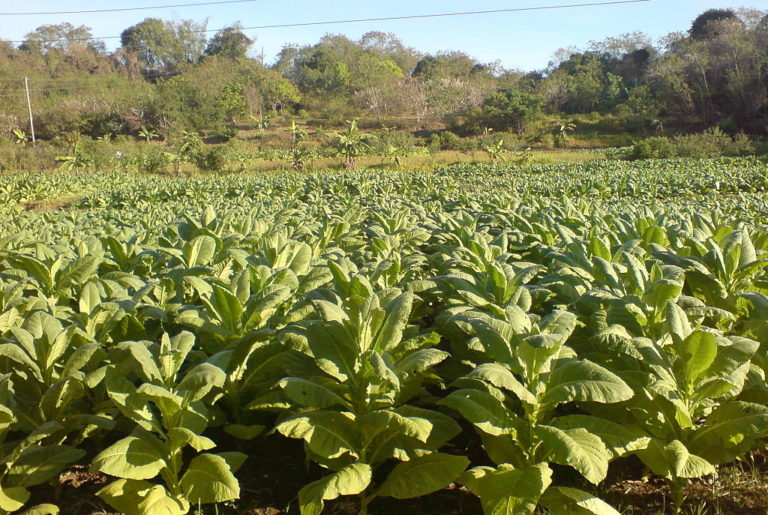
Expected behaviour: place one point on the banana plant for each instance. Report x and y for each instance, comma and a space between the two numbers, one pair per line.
169, 414
354, 413
512, 401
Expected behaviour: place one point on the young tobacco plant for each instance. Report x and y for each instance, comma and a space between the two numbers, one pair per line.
686, 387
169, 414
354, 413
511, 400
33, 460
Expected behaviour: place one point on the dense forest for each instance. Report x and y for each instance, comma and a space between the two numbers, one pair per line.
168, 77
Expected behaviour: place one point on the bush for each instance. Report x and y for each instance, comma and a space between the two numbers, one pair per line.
708, 144
152, 160
382, 141
711, 143
434, 144
229, 132
740, 146
20, 158
656, 147
450, 141
212, 159
546, 141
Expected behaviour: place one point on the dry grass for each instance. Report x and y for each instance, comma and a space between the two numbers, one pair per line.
428, 162
51, 204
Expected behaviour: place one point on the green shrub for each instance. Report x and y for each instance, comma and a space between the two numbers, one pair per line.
229, 132
656, 147
546, 141
711, 143
383, 141
26, 158
450, 141
708, 144
434, 144
212, 160
740, 146
152, 160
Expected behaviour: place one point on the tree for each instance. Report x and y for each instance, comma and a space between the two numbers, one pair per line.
165, 44
509, 109
229, 42
63, 36
323, 72
700, 28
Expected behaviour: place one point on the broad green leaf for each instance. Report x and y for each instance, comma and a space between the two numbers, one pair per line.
89, 298
235, 460
620, 439
506, 490
560, 500
481, 409
37, 464
181, 436
80, 270
125, 495
334, 349
329, 434
381, 420
582, 380
199, 251
145, 360
423, 475
350, 480
501, 377
575, 447
679, 326
685, 464
395, 320
157, 501
730, 431
209, 479
200, 380
420, 360
243, 431
673, 460
309, 393
12, 498
132, 457
695, 355
41, 509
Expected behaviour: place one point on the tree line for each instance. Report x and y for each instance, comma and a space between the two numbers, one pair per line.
168, 75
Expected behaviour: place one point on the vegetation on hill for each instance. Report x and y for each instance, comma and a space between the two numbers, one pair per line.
166, 76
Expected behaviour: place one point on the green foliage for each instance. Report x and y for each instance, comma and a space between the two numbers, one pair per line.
566, 317
656, 147
351, 144
213, 159
229, 42
147, 133
708, 144
504, 110
165, 45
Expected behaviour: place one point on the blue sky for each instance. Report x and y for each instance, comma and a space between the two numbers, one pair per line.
518, 40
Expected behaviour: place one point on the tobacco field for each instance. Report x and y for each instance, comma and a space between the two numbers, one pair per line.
512, 333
